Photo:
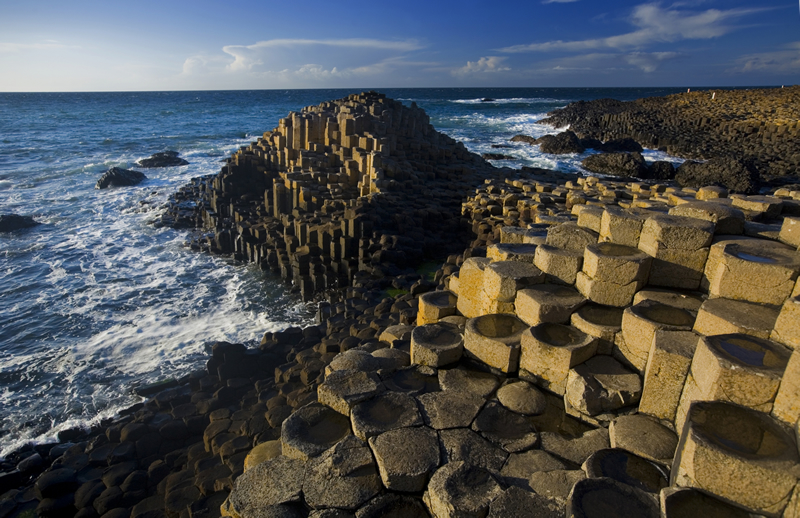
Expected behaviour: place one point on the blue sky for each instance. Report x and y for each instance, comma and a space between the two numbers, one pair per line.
82, 45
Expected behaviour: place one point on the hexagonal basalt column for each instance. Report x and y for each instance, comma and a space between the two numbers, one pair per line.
560, 266
787, 327
620, 226
547, 303
612, 273
726, 316
738, 368
435, 305
549, 351
754, 273
502, 280
679, 247
495, 341
602, 322
639, 324
436, 345
738, 454
665, 375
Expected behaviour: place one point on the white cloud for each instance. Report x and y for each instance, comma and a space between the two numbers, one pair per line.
650, 61
487, 64
655, 25
778, 61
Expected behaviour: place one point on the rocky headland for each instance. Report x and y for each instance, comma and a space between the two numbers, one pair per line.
758, 127
587, 347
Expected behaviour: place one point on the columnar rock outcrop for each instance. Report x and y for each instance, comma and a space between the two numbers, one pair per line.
362, 184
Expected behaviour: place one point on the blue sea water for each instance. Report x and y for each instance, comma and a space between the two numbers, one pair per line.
95, 300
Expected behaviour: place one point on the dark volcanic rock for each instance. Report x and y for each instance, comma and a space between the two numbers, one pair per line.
523, 138
619, 164
661, 170
119, 177
621, 145
9, 222
497, 156
730, 173
163, 159
561, 144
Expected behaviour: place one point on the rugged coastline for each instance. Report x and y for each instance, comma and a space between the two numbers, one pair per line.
346, 210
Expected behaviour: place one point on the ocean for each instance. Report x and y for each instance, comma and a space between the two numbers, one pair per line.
96, 301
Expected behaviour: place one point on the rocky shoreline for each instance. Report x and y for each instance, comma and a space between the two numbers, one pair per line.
567, 350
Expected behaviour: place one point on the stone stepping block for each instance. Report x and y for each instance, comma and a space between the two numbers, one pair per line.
555, 484
470, 286
461, 489
738, 454
406, 457
436, 345
523, 253
462, 444
687, 502
612, 273
727, 220
790, 231
467, 380
341, 390
787, 401
549, 351
519, 467
434, 306
412, 380
504, 428
619, 226
274, 482
502, 279
711, 192
628, 468
602, 322
666, 372
738, 368
391, 359
559, 265
570, 236
522, 397
769, 206
787, 325
618, 264
495, 341
639, 325
547, 303
748, 271
602, 385
353, 360
679, 247
344, 477
311, 430
574, 449
715, 253
518, 502
450, 409
589, 216
607, 498
397, 332
262, 453
690, 301
387, 411
389, 505
726, 316
644, 436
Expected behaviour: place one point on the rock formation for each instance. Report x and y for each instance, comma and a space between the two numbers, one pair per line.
119, 177
11, 222
162, 159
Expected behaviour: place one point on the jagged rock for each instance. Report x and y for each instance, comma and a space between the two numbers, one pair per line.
660, 170
162, 159
561, 143
524, 138
119, 177
497, 156
732, 174
602, 385
618, 164
11, 222
620, 145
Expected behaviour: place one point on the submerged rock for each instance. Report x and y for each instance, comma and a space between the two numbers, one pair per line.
119, 177
162, 159
11, 222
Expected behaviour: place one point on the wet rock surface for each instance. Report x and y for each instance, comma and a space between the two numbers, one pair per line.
119, 177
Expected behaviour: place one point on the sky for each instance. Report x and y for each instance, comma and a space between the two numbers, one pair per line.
109, 45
